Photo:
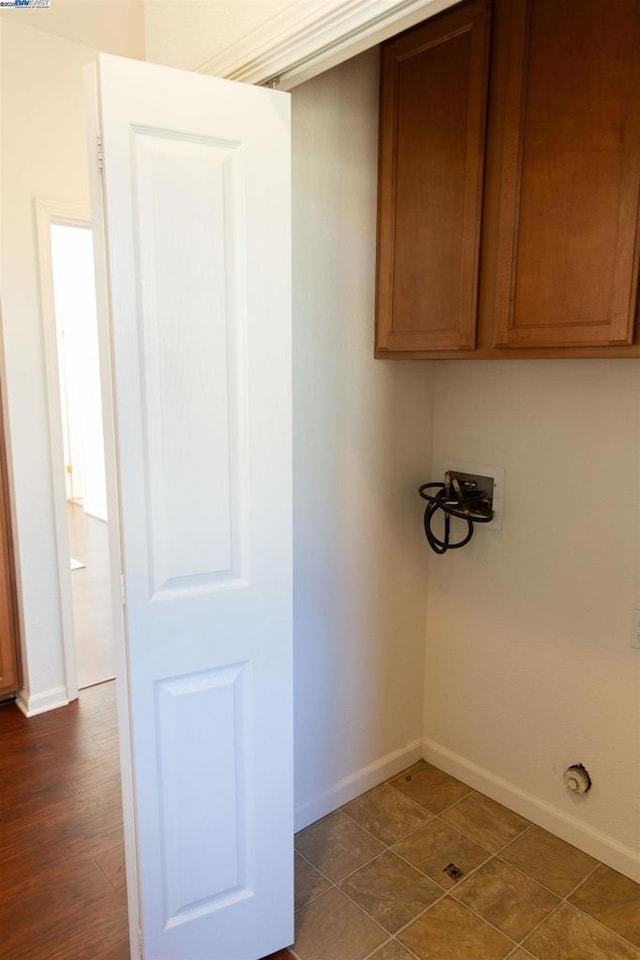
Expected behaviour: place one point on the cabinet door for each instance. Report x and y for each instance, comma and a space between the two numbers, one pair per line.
433, 103
567, 257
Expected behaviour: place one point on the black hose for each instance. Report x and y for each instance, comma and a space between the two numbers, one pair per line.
460, 507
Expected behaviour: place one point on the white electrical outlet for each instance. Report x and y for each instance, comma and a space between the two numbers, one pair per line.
635, 629
440, 467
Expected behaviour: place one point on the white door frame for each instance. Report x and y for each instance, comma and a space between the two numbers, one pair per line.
103, 311
49, 213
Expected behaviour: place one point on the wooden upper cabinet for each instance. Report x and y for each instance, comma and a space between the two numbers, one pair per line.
433, 103
555, 230
566, 261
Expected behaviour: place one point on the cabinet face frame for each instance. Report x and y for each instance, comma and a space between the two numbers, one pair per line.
617, 328
471, 18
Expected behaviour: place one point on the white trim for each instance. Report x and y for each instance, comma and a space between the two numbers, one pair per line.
357, 783
33, 704
307, 39
50, 212
594, 842
103, 306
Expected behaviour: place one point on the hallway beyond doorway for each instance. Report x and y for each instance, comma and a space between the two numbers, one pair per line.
92, 614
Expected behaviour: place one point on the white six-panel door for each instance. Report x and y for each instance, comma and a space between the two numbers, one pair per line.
196, 186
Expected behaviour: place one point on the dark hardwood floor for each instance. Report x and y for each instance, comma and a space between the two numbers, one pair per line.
62, 886
62, 883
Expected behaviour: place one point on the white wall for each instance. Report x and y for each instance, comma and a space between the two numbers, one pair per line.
43, 155
529, 666
361, 440
528, 660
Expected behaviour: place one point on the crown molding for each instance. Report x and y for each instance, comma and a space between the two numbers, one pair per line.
310, 37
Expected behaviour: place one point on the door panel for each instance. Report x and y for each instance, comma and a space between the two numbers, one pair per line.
196, 187
570, 175
432, 131
192, 373
203, 868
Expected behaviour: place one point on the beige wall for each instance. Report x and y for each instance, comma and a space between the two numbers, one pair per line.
529, 666
112, 26
43, 154
361, 439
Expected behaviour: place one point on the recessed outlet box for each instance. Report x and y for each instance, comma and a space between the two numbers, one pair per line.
478, 471
476, 489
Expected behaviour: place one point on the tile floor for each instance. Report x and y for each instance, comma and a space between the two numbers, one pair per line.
425, 867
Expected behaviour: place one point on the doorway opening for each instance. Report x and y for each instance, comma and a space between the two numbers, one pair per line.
84, 739
71, 332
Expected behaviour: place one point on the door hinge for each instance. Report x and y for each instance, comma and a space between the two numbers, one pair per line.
123, 591
140, 945
100, 153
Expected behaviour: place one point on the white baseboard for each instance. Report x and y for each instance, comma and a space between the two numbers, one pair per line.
594, 842
356, 783
33, 704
